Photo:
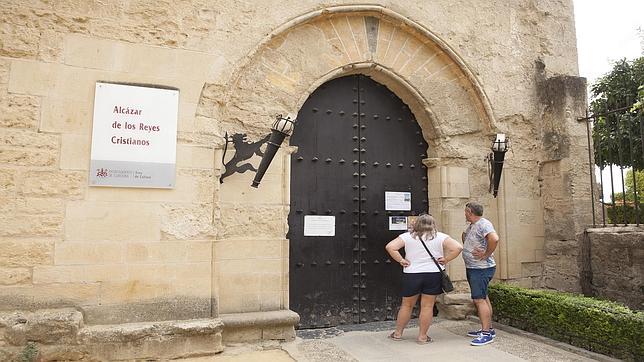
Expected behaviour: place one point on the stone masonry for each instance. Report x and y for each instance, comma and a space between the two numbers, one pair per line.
612, 264
218, 252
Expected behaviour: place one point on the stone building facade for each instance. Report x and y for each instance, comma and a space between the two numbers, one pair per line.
219, 253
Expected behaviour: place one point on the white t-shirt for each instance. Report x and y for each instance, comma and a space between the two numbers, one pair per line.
416, 254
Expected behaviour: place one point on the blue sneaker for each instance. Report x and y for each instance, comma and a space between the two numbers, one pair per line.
483, 339
476, 333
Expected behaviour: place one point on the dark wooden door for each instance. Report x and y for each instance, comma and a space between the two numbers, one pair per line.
356, 140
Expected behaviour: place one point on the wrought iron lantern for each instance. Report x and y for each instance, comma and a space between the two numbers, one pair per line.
500, 146
281, 128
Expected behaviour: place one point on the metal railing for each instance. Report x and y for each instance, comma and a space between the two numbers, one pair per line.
616, 147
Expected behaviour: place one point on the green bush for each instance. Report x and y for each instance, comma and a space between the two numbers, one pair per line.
596, 325
615, 215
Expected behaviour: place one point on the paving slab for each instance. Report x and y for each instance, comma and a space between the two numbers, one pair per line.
266, 351
250, 356
450, 342
369, 342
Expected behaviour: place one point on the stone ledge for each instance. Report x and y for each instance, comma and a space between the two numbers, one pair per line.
260, 319
153, 340
129, 332
616, 229
59, 334
253, 326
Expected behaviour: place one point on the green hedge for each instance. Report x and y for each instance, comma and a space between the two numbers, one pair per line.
596, 325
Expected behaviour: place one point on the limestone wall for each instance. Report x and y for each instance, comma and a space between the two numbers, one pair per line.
600, 262
468, 69
565, 180
612, 264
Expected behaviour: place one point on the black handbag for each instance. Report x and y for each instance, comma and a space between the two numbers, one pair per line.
446, 282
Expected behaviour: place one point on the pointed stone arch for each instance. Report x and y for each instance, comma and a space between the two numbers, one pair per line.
289, 64
292, 61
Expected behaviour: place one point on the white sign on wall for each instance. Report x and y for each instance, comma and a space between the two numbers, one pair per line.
134, 136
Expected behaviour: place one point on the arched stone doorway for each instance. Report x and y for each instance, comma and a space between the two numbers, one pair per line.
278, 76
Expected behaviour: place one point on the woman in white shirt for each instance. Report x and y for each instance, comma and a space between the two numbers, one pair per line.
420, 274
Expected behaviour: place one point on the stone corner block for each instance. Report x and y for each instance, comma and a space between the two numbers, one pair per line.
45, 326
244, 327
457, 298
268, 318
456, 306
456, 311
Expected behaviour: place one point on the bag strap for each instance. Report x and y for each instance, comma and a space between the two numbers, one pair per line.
430, 254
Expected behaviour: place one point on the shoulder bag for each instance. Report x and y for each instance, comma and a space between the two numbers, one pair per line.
446, 282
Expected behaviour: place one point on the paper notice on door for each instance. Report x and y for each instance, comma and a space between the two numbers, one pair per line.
397, 222
400, 201
315, 225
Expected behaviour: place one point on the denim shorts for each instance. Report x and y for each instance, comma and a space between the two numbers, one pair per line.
479, 280
421, 283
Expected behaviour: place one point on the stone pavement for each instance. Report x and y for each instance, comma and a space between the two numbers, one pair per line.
369, 342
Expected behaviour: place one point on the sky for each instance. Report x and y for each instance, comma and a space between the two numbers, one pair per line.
608, 30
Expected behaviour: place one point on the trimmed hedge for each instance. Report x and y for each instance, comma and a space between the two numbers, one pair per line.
596, 325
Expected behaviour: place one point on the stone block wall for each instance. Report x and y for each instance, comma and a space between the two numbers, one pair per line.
250, 257
564, 179
467, 69
122, 255
612, 264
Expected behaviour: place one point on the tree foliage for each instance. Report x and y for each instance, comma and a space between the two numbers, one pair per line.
618, 136
634, 181
639, 105
627, 208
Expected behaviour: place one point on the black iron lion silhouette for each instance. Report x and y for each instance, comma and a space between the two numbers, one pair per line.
243, 151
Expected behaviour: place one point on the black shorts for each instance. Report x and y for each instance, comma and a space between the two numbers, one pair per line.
425, 283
